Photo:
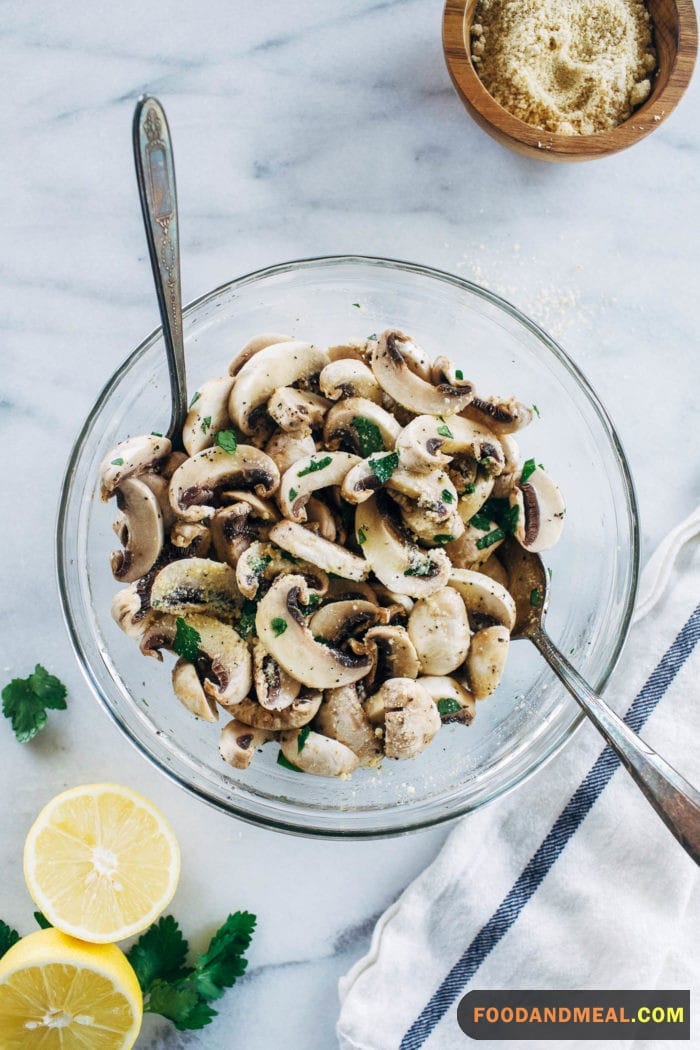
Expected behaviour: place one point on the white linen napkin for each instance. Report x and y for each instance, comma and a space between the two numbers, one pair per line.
570, 882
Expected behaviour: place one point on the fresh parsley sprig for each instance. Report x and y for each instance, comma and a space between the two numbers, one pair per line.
25, 702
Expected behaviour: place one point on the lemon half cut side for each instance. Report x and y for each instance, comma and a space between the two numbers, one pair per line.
101, 862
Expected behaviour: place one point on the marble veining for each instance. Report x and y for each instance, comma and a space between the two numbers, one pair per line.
300, 129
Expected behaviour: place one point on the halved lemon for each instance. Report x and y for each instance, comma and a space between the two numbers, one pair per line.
101, 862
57, 993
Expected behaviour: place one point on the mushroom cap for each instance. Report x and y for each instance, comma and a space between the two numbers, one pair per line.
238, 743
484, 597
346, 378
470, 503
307, 475
262, 562
193, 585
275, 366
342, 716
126, 612
285, 449
340, 430
391, 367
131, 458
409, 715
486, 660
330, 557
274, 688
319, 755
442, 687
338, 621
191, 536
140, 528
207, 415
396, 561
354, 350
188, 689
393, 654
281, 626
465, 552
299, 713
253, 347
430, 441
195, 486
541, 512
502, 415
439, 629
297, 411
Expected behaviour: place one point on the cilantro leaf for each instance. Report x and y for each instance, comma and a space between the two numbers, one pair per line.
25, 701
159, 954
41, 921
314, 465
227, 440
303, 737
180, 1003
222, 963
369, 436
529, 468
187, 640
8, 937
384, 467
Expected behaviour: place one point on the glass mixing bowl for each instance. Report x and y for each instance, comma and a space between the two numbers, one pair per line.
594, 566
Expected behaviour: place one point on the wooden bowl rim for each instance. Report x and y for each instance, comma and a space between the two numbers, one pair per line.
650, 115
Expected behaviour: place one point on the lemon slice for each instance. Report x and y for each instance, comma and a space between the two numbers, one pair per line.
57, 993
101, 862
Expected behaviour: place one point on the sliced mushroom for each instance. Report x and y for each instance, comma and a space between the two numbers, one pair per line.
159, 486
131, 458
329, 557
393, 654
282, 629
473, 500
297, 411
348, 378
254, 346
191, 536
322, 520
339, 621
484, 597
342, 716
207, 415
274, 688
408, 714
231, 532
354, 350
503, 415
307, 475
285, 449
275, 366
238, 743
506, 482
541, 512
196, 585
340, 590
424, 528
446, 395
487, 659
262, 562
195, 487
396, 561
317, 754
454, 702
495, 571
469, 550
439, 629
342, 429
140, 531
188, 689
126, 613
299, 713
429, 441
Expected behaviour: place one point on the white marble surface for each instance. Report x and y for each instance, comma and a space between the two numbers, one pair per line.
319, 127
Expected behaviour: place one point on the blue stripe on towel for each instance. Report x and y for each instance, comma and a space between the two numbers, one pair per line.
566, 825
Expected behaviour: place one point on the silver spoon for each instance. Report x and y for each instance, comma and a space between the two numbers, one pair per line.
155, 175
675, 800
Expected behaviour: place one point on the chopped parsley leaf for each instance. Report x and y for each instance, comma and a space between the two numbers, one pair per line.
448, 706
443, 537
444, 430
206, 424
459, 374
293, 493
156, 434
246, 624
357, 306
302, 738
535, 597
383, 468
187, 640
372, 337
227, 440
529, 468
369, 436
361, 536
470, 488
419, 567
118, 462
278, 625
536, 410
481, 521
195, 397
259, 563
490, 538
286, 764
447, 496
314, 465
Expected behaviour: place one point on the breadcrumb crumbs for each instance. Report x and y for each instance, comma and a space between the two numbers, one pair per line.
573, 67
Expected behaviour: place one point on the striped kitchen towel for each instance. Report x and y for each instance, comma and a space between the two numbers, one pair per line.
571, 881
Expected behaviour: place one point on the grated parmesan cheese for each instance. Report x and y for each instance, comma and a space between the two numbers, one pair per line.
573, 67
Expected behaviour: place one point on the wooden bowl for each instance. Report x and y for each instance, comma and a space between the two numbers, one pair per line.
676, 42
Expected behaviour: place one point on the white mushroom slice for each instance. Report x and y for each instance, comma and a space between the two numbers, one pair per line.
195, 486
502, 415
347, 378
342, 716
254, 346
506, 482
282, 364
322, 520
340, 590
263, 509
465, 552
287, 449
262, 561
319, 755
390, 366
140, 531
188, 689
274, 688
299, 713
439, 629
354, 350
428, 442
196, 585
281, 626
424, 528
359, 425
131, 458
238, 743
207, 415
393, 598
408, 714
126, 613
396, 561
484, 597
159, 486
393, 654
541, 512
495, 571
297, 411
309, 474
174, 460
454, 702
329, 557
231, 532
191, 536
473, 500
486, 660
339, 621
